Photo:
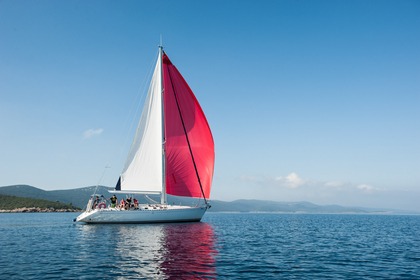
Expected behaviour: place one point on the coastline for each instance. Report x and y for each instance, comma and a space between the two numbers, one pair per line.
37, 210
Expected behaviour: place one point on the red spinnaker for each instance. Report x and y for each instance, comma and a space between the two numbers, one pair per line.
183, 114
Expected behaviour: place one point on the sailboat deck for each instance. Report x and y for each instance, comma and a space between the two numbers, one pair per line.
146, 213
150, 207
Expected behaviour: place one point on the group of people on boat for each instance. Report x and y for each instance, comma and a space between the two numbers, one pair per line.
129, 203
99, 202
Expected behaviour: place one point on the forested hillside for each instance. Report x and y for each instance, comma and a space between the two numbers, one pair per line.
13, 202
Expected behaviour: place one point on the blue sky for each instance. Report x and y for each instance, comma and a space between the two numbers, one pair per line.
307, 100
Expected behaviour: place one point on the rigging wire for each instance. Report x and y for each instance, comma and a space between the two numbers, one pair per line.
100, 179
150, 199
138, 102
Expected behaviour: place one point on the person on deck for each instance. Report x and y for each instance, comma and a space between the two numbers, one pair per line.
96, 202
114, 201
122, 203
136, 203
128, 203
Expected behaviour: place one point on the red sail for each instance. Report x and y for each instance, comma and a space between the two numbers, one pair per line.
189, 149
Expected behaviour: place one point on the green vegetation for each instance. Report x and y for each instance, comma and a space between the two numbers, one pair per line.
77, 197
12, 202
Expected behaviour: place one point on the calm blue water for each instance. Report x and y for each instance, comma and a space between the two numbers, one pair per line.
223, 246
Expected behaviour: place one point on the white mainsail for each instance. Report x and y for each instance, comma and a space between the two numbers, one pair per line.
143, 169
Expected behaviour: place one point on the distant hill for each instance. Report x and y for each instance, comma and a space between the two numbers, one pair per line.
79, 197
12, 202
251, 205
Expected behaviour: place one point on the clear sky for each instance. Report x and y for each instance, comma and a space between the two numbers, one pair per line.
308, 100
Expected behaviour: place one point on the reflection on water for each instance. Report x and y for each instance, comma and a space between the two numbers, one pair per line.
189, 250
161, 251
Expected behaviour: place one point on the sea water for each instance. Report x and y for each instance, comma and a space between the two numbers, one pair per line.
222, 246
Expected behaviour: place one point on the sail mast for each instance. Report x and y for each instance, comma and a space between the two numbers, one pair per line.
163, 197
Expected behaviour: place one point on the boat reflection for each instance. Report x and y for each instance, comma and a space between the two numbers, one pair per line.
189, 251
164, 251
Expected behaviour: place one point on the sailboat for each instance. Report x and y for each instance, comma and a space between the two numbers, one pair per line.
172, 154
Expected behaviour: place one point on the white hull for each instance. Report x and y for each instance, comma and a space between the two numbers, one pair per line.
166, 214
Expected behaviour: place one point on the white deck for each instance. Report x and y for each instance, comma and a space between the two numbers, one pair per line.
145, 214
